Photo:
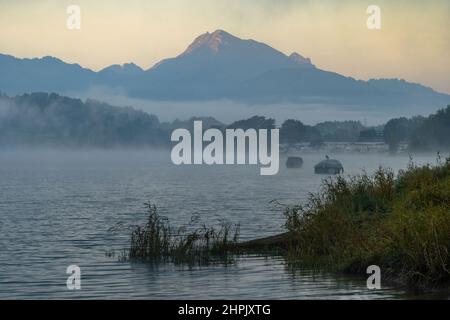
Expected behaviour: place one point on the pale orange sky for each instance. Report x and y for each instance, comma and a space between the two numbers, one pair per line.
413, 44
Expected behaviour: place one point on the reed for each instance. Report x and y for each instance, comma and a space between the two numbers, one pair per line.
159, 241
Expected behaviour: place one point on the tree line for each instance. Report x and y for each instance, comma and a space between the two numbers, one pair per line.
42, 119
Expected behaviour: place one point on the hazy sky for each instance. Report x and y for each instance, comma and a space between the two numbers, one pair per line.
413, 43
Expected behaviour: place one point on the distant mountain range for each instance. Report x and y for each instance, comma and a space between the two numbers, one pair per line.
215, 66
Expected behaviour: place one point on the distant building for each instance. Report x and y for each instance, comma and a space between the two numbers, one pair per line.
371, 135
336, 147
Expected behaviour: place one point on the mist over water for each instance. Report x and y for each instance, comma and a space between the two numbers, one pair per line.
57, 208
228, 111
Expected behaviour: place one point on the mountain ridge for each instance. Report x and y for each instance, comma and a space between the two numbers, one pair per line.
214, 66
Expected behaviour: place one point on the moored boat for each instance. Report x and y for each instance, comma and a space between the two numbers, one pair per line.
294, 162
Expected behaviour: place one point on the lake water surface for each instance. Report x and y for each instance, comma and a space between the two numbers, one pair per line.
56, 209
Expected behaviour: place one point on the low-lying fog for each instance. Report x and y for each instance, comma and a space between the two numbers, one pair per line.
228, 111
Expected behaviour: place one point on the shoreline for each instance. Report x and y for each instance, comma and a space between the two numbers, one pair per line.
279, 244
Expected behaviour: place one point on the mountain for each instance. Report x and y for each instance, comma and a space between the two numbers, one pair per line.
120, 70
219, 65
212, 67
42, 74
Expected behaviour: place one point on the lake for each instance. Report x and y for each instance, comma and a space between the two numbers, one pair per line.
57, 208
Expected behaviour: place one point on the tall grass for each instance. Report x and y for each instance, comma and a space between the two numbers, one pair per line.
158, 241
401, 225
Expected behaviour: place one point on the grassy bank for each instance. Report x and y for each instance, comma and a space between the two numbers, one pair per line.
401, 225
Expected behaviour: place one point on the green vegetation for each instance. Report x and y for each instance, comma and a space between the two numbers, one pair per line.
158, 241
400, 130
255, 122
294, 131
434, 133
401, 225
422, 134
51, 120
340, 130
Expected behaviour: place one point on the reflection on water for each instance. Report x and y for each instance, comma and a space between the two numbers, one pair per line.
56, 209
